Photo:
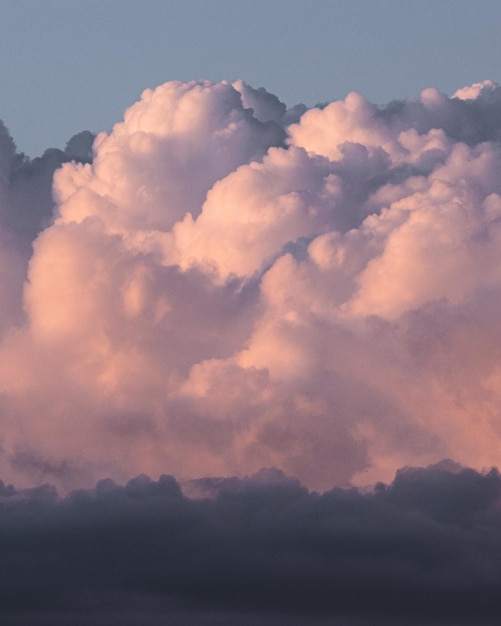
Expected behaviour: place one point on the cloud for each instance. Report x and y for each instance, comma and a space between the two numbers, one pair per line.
221, 284
26, 208
421, 550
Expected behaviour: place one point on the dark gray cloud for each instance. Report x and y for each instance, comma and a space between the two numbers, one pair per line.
27, 205
425, 549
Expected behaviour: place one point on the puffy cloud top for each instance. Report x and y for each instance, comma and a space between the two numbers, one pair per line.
225, 284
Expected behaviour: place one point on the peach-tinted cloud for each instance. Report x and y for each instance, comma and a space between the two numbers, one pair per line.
230, 285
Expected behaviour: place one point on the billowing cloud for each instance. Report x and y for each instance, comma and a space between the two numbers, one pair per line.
26, 208
257, 550
224, 284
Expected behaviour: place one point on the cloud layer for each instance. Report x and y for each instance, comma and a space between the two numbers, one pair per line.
228, 284
261, 550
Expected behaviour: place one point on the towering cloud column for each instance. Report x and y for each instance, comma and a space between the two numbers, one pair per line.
230, 285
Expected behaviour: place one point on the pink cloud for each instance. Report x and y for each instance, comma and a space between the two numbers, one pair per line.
211, 298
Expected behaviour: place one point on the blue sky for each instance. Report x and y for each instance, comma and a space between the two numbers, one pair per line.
67, 66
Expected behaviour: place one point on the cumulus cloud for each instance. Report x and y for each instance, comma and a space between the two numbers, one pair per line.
26, 208
255, 550
221, 284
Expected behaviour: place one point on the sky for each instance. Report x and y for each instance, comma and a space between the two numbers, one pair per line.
250, 345
68, 66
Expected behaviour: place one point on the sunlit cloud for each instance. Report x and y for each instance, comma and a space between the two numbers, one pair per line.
227, 284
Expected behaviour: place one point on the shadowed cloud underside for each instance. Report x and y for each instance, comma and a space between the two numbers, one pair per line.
261, 550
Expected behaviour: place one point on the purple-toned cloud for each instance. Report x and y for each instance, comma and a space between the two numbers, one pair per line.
262, 550
225, 284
